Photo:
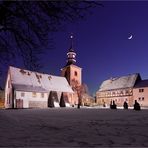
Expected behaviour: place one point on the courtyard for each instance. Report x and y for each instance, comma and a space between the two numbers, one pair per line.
72, 127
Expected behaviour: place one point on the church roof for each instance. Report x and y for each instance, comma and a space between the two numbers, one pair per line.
28, 80
119, 82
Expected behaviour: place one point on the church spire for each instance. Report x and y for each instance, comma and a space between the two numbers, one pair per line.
71, 55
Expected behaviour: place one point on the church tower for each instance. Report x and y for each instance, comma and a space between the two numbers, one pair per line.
72, 72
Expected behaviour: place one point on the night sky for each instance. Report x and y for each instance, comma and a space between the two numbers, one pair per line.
102, 45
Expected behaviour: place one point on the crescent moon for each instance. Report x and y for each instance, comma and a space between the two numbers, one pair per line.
130, 37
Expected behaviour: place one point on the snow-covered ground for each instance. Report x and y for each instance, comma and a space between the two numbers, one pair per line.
72, 127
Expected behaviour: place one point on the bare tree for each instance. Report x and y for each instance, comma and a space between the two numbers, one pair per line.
81, 90
24, 26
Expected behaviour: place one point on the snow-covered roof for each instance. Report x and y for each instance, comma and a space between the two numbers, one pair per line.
119, 82
25, 80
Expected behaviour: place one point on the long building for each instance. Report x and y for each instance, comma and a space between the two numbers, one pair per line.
125, 88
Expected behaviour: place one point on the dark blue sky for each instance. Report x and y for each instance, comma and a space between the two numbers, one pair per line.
102, 45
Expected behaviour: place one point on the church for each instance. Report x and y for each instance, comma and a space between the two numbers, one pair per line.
29, 89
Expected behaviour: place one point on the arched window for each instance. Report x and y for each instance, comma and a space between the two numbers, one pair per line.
76, 73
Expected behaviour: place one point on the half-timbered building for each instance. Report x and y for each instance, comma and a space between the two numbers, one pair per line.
126, 88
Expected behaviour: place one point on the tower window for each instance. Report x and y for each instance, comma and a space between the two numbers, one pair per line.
76, 73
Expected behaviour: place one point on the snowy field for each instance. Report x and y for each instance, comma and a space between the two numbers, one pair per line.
71, 127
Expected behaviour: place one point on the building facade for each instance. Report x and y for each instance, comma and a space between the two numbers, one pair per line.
126, 88
140, 93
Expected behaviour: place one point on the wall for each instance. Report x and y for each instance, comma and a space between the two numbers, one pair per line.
69, 73
37, 102
141, 95
8, 92
77, 77
29, 101
119, 96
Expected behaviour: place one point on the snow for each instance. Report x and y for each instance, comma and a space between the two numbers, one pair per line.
67, 104
119, 82
72, 127
35, 80
56, 104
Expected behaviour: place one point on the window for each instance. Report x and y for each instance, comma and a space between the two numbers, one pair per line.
76, 73
139, 99
22, 94
42, 95
113, 93
142, 98
130, 92
126, 92
141, 90
33, 94
121, 93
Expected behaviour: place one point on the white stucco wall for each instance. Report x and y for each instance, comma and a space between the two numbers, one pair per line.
8, 92
28, 97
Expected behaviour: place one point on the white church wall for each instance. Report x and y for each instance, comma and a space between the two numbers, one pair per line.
59, 95
29, 98
8, 92
25, 98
